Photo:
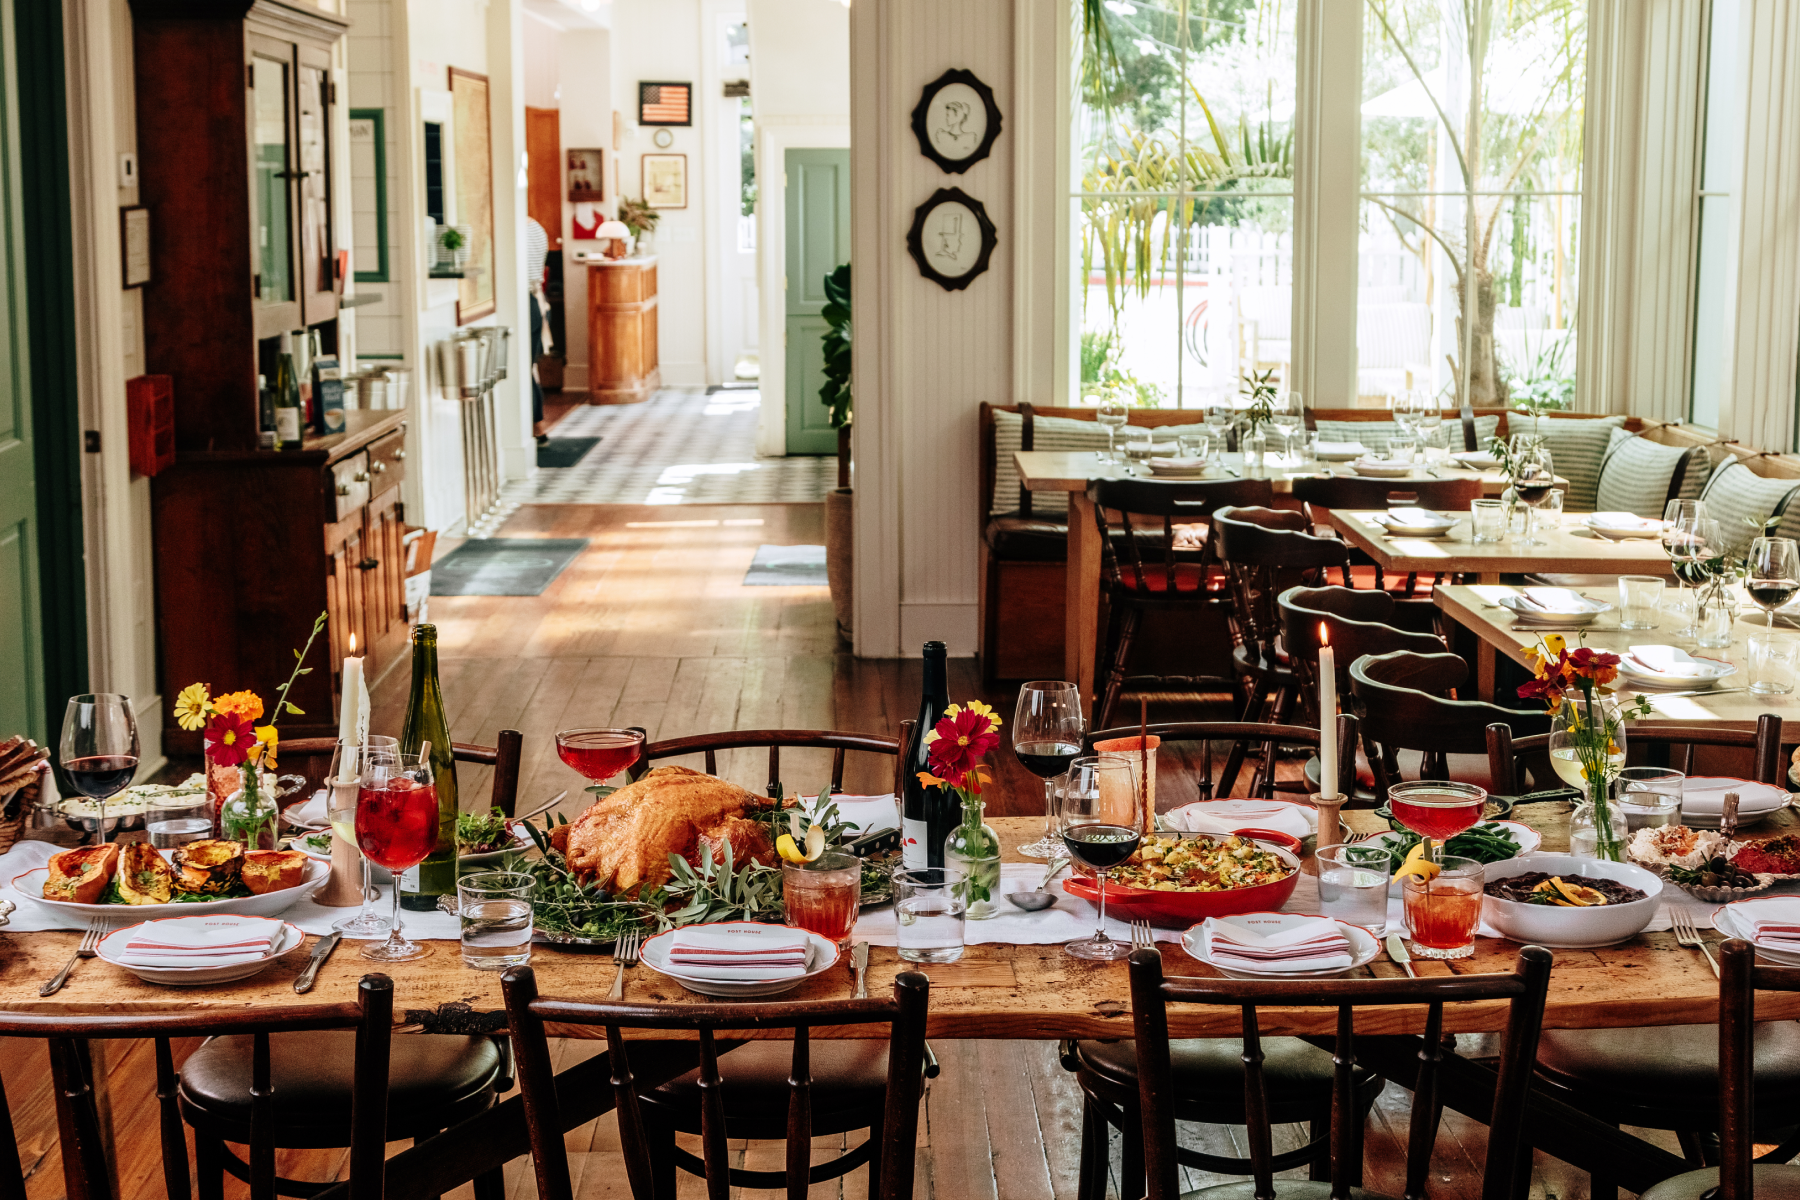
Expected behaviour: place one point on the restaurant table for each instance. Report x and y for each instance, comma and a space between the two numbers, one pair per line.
994, 992
1071, 471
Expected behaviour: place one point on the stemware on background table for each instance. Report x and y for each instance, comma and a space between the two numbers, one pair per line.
1046, 736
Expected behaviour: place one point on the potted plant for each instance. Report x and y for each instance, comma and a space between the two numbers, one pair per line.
836, 395
638, 217
452, 247
1261, 411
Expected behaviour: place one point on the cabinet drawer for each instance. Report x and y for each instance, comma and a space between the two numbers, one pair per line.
350, 484
387, 462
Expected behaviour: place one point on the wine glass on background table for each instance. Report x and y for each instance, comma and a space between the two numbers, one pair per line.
1101, 820
1219, 419
1428, 418
1534, 478
1676, 513
1436, 809
396, 827
99, 747
1693, 545
1046, 735
1772, 573
1288, 414
1112, 413
340, 808
599, 754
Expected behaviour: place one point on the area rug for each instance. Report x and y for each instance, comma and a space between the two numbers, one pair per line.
787, 566
503, 566
565, 452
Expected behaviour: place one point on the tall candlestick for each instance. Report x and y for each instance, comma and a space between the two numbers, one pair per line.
1328, 747
348, 711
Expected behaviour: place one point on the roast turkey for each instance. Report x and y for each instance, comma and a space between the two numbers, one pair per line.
623, 841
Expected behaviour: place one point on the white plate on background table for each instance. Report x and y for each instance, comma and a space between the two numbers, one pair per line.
1363, 946
821, 956
1476, 460
30, 885
1340, 451
1381, 469
1617, 525
112, 946
1636, 667
1525, 614
303, 843
1703, 800
1397, 528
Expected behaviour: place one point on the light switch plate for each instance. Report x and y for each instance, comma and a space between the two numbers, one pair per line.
128, 170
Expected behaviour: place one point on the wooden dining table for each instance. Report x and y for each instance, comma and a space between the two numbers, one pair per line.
993, 992
1070, 472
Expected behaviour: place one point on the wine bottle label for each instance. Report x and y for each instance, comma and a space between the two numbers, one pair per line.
287, 424
409, 880
912, 844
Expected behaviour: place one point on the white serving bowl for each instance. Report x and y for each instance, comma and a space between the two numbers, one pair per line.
1571, 928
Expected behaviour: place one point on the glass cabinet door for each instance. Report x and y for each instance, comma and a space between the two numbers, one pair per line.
271, 217
318, 249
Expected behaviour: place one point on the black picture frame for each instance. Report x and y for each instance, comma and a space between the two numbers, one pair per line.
134, 246
921, 121
645, 84
915, 238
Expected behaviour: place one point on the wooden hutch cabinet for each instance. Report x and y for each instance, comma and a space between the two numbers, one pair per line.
622, 348
235, 102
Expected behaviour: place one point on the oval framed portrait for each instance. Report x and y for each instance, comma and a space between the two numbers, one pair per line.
951, 238
956, 120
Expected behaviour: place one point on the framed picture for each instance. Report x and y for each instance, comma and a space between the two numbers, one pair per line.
661, 103
665, 180
368, 176
956, 120
587, 175
474, 182
951, 238
134, 241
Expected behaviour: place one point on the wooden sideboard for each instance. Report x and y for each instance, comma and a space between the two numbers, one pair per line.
622, 357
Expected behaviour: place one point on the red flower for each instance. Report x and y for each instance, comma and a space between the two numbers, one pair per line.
960, 740
230, 738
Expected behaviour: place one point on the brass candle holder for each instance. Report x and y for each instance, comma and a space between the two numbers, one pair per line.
343, 889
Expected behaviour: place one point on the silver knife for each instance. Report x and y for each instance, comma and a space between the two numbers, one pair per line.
1396, 948
859, 959
320, 952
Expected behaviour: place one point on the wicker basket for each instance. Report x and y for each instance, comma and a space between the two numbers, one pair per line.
16, 807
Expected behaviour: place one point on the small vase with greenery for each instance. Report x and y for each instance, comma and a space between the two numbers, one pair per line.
638, 216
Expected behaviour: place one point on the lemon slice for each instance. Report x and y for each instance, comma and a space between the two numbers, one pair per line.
1416, 864
789, 848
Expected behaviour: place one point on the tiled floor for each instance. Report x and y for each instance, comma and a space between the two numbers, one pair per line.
679, 447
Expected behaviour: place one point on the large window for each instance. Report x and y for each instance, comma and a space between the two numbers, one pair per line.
1723, 132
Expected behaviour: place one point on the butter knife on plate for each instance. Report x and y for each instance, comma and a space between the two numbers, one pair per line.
1396, 948
320, 952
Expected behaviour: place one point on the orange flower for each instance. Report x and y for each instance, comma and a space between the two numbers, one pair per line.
243, 704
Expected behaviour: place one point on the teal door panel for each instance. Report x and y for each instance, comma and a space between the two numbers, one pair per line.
818, 241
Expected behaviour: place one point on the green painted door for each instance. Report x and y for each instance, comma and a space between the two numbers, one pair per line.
818, 241
21, 626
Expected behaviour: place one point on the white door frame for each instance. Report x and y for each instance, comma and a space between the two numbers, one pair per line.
713, 16
774, 138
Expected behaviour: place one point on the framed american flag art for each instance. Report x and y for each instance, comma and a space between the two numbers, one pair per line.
664, 103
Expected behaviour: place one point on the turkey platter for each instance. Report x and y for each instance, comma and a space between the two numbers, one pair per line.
623, 841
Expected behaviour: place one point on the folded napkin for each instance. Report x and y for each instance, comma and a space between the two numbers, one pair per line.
1774, 924
1476, 458
1340, 449
1558, 600
311, 814
1312, 945
1387, 464
1621, 520
200, 942
1228, 816
745, 953
1177, 464
1417, 518
1705, 796
1668, 662
868, 814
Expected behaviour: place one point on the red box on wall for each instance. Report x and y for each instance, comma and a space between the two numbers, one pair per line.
150, 410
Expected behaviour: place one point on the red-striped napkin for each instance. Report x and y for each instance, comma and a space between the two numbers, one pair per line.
1315, 945
1772, 924
747, 953
201, 941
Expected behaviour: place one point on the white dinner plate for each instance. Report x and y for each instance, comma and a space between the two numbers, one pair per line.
30, 885
1725, 921
1648, 529
1419, 531
821, 956
1703, 800
113, 945
302, 843
1179, 472
1340, 451
1526, 615
1476, 460
1708, 671
1381, 470
1363, 946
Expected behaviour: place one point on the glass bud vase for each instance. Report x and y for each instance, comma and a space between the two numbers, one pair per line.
1590, 732
1255, 442
1586, 837
973, 851
251, 815
1717, 616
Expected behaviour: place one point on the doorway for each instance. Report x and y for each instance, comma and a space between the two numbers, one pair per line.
817, 204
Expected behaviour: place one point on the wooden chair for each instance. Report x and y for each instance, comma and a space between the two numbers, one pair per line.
266, 1101
1524, 990
1141, 569
774, 741
1356, 621
1403, 700
1517, 764
503, 756
1239, 734
787, 1105
1356, 492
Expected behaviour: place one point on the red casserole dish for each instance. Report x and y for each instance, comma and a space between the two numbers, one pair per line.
1178, 910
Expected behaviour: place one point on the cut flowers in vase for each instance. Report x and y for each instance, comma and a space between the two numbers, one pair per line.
954, 750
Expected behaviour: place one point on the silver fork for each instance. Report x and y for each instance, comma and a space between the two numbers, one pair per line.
625, 955
1686, 934
90, 941
1141, 937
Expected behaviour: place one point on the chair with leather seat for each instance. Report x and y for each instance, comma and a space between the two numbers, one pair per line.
1152, 994
780, 1096
1405, 703
1739, 1085
1520, 763
1359, 493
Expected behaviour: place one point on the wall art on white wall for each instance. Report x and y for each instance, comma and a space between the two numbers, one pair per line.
956, 120
951, 238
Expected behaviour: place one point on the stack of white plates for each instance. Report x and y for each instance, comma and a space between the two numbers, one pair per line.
1363, 946
1339, 451
287, 938
1734, 921
1655, 666
1381, 468
1561, 607
821, 956
1623, 525
1703, 800
1178, 468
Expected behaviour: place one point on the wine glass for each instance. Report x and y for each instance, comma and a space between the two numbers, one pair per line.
1676, 513
1534, 478
342, 783
1046, 735
1219, 420
1112, 413
1692, 546
1288, 413
396, 827
1772, 573
599, 754
1101, 818
1436, 809
99, 748
1427, 418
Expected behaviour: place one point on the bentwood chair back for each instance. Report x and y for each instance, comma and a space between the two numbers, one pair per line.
1359, 492
1523, 990
1202, 735
503, 756
1517, 763
708, 745
891, 1144
84, 1141
1355, 622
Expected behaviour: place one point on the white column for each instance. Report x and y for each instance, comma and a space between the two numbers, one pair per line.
1045, 316
506, 125
1327, 180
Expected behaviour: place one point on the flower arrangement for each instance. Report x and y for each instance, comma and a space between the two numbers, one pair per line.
954, 750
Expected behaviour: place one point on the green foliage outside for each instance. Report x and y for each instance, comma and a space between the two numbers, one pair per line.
836, 392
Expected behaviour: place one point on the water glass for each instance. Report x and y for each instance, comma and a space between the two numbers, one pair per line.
1402, 445
494, 908
1678, 603
823, 896
1353, 885
1305, 446
1716, 621
1487, 520
1650, 797
930, 915
1771, 662
1444, 911
1195, 443
1639, 598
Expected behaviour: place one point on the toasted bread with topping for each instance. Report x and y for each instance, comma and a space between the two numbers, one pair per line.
145, 876
80, 876
210, 868
273, 870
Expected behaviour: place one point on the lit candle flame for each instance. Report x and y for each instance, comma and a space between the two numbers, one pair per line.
353, 641
1324, 635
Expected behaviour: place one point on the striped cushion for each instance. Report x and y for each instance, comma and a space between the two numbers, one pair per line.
1578, 447
1048, 433
1374, 435
1740, 500
1638, 473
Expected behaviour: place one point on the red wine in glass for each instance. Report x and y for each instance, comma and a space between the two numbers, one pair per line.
1047, 759
599, 754
99, 747
101, 775
1101, 846
397, 823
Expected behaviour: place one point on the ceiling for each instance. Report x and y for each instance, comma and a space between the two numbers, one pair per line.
573, 14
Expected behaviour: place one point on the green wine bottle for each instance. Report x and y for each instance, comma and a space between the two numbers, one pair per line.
436, 876
287, 397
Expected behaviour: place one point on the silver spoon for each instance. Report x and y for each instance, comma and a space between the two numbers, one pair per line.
1043, 897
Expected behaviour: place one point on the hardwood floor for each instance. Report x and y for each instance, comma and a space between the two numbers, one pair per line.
651, 626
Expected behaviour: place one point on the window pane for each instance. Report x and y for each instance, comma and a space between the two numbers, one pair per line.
1718, 172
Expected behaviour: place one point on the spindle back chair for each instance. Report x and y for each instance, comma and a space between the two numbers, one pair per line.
1518, 763
503, 756
708, 745
1239, 734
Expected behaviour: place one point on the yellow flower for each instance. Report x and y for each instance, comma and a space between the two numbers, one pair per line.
244, 704
1555, 643
193, 706
267, 737
980, 709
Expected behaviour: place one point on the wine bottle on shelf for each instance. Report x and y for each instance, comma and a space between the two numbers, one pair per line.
287, 397
436, 876
265, 414
928, 813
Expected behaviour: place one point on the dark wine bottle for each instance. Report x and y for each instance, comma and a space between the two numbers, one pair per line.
436, 876
265, 414
928, 813
287, 397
